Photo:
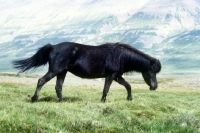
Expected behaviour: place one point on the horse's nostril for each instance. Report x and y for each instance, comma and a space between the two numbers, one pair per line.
153, 87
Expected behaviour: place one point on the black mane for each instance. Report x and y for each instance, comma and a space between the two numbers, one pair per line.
134, 59
129, 48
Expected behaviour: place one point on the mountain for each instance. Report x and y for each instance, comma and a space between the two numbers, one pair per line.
182, 51
168, 30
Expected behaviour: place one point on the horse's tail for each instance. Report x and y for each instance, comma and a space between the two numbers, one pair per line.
40, 58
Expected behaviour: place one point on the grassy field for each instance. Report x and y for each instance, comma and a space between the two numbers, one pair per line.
173, 108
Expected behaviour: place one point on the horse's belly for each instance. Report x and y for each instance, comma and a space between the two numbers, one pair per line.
88, 66
83, 74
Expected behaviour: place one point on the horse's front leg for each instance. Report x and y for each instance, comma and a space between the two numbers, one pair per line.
107, 84
123, 82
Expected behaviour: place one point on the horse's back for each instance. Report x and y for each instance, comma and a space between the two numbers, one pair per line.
88, 61
82, 60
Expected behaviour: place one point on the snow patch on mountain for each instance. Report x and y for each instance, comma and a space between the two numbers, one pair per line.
167, 29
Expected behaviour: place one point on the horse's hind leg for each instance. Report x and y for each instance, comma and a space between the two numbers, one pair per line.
49, 75
122, 81
59, 83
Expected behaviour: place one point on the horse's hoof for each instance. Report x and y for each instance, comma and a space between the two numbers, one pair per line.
60, 100
103, 100
129, 98
34, 99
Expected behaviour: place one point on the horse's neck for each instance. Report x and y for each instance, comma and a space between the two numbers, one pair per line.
136, 62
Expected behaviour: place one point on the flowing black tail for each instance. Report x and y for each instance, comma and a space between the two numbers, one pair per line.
38, 59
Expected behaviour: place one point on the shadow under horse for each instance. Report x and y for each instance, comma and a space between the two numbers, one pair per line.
107, 61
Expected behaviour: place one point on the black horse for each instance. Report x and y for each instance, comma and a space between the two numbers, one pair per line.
109, 60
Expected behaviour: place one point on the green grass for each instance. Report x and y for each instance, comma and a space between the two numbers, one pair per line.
158, 111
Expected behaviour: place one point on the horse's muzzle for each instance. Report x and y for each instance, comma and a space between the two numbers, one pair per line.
153, 88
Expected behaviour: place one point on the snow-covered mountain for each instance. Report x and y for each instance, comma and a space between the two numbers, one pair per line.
168, 30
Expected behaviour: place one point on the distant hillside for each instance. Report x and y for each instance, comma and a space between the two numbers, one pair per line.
168, 30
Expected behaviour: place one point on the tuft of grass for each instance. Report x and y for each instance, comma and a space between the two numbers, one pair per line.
81, 111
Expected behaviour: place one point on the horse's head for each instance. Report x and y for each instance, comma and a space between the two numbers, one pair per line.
150, 75
150, 79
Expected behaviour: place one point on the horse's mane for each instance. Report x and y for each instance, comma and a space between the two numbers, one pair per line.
128, 49
136, 56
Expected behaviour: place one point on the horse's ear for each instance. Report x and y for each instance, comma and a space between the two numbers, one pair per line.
155, 65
